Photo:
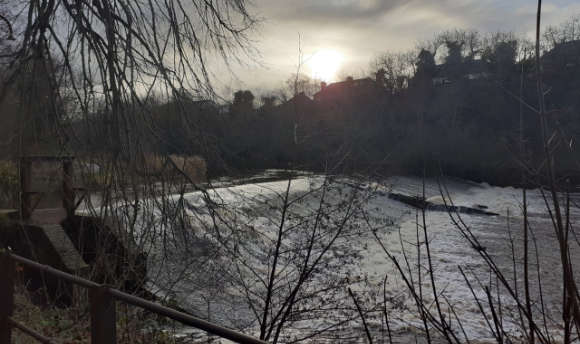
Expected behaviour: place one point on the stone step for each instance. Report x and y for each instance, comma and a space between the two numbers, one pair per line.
48, 216
68, 254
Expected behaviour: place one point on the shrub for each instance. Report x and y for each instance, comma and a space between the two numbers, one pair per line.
72, 324
8, 184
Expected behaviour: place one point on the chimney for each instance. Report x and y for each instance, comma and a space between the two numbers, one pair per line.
349, 81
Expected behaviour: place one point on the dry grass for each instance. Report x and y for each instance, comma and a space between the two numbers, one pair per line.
66, 325
93, 172
194, 167
72, 324
152, 164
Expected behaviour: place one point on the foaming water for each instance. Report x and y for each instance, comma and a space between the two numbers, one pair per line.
198, 273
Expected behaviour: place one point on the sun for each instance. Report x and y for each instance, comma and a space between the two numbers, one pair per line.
324, 64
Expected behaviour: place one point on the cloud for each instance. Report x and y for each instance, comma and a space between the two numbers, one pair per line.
328, 11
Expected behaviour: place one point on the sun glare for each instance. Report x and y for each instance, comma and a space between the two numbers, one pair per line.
324, 64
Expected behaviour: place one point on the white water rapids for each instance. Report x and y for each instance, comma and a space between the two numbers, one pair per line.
205, 278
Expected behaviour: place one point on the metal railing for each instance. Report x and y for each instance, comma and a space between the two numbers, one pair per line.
102, 306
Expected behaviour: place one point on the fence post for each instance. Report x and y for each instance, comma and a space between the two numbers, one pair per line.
103, 316
6, 296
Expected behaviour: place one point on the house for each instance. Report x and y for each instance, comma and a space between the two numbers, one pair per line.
299, 105
445, 74
441, 81
348, 90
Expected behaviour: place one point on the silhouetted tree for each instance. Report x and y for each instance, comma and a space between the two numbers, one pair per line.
243, 102
425, 63
504, 58
381, 77
565, 32
469, 41
395, 69
426, 68
454, 56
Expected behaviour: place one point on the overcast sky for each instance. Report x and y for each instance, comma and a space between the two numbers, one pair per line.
359, 30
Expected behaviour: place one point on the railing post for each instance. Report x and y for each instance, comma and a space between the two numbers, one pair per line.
103, 316
6, 297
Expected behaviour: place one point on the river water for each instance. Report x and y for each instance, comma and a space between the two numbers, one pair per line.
216, 261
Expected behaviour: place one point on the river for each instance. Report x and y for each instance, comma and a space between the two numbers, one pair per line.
216, 261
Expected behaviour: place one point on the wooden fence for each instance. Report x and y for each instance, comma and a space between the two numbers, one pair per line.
102, 306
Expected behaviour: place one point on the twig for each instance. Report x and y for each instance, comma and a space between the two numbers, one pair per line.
361, 316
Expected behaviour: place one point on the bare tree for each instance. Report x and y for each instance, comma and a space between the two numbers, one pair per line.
102, 67
301, 83
398, 69
115, 54
566, 32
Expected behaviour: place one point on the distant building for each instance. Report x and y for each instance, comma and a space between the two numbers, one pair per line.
348, 89
299, 114
441, 81
298, 108
299, 104
445, 74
